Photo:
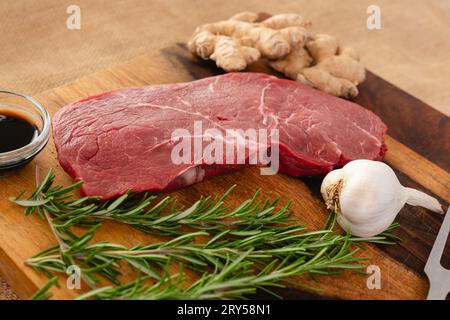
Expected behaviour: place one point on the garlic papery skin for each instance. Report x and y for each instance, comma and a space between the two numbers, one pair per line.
367, 196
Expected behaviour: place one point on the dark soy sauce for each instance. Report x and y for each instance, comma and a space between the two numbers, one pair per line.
15, 132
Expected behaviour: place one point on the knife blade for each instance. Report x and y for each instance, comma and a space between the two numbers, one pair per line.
438, 276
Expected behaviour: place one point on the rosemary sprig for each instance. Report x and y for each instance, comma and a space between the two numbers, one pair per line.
103, 257
248, 247
145, 213
234, 271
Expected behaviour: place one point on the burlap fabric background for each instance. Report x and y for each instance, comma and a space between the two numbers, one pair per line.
38, 52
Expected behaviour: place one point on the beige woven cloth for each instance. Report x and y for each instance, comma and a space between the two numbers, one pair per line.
39, 52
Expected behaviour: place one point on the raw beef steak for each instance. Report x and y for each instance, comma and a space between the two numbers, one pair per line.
122, 140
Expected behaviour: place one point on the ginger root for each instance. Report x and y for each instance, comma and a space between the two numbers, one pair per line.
235, 43
315, 60
337, 70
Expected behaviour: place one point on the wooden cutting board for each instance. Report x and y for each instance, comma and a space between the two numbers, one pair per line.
419, 151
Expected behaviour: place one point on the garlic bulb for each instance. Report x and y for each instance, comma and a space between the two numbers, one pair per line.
367, 196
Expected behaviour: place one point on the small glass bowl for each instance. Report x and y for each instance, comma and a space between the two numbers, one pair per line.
37, 115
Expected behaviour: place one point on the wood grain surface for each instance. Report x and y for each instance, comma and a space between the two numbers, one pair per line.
417, 164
